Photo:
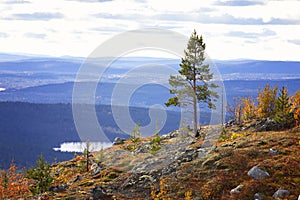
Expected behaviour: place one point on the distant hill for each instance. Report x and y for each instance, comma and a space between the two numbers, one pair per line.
36, 92
145, 96
27, 129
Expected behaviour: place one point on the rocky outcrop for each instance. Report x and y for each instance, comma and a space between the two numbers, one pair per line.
257, 173
99, 193
258, 196
281, 193
236, 190
118, 141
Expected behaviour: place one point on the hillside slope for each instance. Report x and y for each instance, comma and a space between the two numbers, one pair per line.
187, 168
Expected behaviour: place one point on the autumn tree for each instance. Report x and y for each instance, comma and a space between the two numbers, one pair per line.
266, 102
243, 109
248, 108
235, 111
13, 185
193, 85
295, 107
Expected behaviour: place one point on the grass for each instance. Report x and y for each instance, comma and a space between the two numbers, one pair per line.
211, 177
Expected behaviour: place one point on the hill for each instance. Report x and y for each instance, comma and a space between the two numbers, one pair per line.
241, 164
28, 130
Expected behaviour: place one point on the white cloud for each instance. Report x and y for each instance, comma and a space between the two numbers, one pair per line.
244, 29
3, 35
35, 35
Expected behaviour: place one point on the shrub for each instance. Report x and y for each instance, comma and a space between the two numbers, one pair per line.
13, 185
266, 101
283, 115
41, 175
135, 138
155, 143
295, 107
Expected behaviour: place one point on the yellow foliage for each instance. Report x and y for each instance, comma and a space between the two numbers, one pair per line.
188, 195
295, 108
248, 108
236, 135
163, 191
266, 101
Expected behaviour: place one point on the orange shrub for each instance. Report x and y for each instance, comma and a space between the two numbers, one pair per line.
12, 184
296, 106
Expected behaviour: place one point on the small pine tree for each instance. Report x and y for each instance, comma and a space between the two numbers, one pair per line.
135, 137
283, 114
100, 156
156, 140
41, 174
86, 154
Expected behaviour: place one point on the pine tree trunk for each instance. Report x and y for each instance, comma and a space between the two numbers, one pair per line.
196, 134
87, 159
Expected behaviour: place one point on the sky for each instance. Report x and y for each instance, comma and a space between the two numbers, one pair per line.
232, 29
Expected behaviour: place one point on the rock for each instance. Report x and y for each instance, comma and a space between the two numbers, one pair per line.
231, 123
187, 156
273, 152
281, 193
118, 141
236, 190
230, 144
144, 148
78, 178
150, 178
94, 166
258, 196
256, 173
97, 171
99, 193
59, 188
266, 125
262, 142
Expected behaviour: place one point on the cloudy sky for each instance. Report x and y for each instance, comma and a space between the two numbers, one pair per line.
232, 29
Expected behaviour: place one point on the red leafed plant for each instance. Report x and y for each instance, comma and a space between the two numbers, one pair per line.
12, 183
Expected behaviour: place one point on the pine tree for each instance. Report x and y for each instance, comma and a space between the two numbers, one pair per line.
135, 137
192, 85
283, 114
41, 174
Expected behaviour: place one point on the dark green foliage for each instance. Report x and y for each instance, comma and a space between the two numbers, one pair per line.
193, 85
41, 174
156, 140
135, 137
283, 115
155, 143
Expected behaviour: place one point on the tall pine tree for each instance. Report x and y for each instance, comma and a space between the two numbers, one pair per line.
193, 85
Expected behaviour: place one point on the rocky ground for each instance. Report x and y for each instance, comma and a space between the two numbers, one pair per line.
234, 163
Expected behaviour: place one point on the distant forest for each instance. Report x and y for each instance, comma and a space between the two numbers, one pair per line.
28, 130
